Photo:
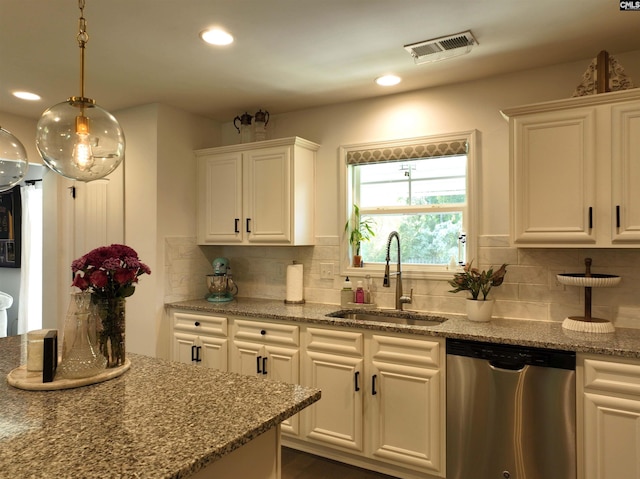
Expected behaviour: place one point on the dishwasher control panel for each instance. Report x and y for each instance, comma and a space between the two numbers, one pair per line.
514, 355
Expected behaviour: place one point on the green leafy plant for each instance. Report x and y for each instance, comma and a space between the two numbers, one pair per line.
359, 230
476, 281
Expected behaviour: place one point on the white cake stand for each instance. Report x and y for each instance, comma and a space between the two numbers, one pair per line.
587, 323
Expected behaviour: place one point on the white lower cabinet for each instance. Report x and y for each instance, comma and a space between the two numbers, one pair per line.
269, 350
383, 394
610, 405
199, 339
382, 400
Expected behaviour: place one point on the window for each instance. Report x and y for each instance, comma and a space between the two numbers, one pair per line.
420, 188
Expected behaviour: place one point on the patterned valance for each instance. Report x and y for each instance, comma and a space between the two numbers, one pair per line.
408, 152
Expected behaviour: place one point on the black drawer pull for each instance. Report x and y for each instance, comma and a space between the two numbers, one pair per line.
263, 332
248, 225
356, 376
264, 365
617, 216
197, 323
198, 357
258, 370
373, 385
194, 356
590, 217
235, 227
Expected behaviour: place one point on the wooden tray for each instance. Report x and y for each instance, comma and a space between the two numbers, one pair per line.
32, 381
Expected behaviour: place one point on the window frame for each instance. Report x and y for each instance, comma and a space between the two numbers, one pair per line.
346, 200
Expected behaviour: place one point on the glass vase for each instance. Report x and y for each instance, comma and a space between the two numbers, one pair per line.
80, 359
110, 320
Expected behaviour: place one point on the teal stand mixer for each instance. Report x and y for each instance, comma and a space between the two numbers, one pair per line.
220, 283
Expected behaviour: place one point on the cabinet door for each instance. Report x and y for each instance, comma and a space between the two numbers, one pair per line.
247, 358
611, 414
220, 199
268, 195
553, 177
612, 437
406, 411
333, 362
283, 364
625, 151
213, 352
182, 348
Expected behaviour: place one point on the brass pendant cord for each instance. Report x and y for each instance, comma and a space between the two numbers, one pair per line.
83, 38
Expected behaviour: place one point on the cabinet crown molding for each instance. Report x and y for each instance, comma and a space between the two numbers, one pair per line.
575, 102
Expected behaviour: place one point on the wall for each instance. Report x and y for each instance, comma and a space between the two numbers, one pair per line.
160, 201
530, 291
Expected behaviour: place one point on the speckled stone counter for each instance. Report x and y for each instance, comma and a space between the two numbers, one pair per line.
624, 342
158, 420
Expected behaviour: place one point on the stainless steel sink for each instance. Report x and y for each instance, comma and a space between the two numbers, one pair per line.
395, 317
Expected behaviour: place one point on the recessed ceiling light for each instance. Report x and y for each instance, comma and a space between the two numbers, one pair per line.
388, 80
25, 95
216, 36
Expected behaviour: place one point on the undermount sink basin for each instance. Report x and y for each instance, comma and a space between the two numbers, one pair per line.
399, 317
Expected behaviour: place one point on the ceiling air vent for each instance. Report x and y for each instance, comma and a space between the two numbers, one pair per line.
441, 48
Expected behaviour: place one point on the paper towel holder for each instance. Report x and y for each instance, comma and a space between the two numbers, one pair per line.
289, 301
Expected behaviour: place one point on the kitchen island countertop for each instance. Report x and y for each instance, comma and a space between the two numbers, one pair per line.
623, 342
160, 419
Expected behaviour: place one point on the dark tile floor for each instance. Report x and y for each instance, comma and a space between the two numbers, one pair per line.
300, 465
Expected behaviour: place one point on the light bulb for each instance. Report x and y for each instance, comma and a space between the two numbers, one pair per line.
82, 155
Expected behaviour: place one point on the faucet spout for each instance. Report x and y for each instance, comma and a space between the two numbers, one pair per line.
400, 298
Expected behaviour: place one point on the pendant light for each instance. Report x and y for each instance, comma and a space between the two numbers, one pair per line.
13, 160
76, 138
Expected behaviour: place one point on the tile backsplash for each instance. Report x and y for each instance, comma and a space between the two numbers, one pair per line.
530, 290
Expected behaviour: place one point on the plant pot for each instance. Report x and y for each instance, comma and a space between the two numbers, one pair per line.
357, 261
478, 310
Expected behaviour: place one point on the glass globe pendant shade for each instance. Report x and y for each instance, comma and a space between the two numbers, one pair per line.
79, 140
13, 160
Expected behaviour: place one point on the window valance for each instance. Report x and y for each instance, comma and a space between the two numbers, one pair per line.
408, 152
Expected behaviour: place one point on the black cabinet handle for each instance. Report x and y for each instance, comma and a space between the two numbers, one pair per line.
264, 365
235, 227
248, 225
373, 385
617, 216
590, 217
356, 376
198, 357
258, 365
197, 323
194, 356
263, 332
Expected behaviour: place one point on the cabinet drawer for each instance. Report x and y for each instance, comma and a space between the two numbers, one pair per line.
200, 324
405, 351
267, 333
617, 377
333, 341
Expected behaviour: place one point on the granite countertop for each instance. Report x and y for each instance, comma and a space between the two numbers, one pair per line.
160, 419
623, 342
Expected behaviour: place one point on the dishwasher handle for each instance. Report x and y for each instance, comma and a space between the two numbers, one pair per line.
515, 366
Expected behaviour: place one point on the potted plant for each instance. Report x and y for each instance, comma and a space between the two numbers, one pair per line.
478, 282
359, 230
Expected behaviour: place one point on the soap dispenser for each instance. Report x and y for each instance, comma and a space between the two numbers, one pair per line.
346, 295
360, 293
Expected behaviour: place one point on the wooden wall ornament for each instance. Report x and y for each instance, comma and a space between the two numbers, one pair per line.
604, 74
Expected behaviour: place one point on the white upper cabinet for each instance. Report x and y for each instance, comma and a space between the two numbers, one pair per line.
257, 193
572, 173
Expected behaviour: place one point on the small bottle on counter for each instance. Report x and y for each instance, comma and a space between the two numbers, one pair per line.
360, 293
346, 295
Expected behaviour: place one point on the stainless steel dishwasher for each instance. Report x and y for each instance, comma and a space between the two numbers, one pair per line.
510, 412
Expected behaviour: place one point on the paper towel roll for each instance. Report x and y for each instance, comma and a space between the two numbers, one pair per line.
295, 288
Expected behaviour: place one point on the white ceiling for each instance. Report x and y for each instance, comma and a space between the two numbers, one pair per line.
288, 54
